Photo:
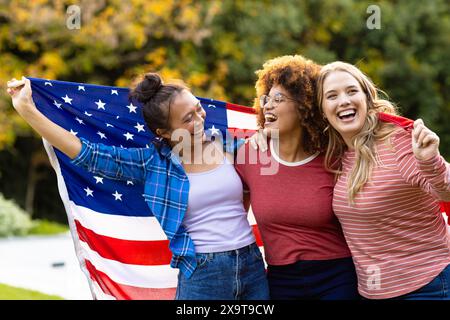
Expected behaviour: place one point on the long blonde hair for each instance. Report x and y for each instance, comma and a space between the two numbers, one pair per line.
363, 142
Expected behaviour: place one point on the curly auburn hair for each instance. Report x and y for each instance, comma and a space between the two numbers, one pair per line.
298, 76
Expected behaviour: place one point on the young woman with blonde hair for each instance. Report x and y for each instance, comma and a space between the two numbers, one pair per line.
390, 179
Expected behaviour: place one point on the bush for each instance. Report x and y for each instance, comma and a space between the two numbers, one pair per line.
13, 220
46, 227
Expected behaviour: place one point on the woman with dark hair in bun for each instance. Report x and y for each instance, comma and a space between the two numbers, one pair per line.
196, 195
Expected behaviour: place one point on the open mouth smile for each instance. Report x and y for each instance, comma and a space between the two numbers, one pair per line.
270, 117
347, 115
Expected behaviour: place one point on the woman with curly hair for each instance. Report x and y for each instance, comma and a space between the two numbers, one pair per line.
304, 246
391, 178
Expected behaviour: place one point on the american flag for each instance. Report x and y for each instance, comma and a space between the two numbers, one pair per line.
120, 245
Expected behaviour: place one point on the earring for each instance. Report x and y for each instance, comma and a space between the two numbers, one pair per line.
326, 128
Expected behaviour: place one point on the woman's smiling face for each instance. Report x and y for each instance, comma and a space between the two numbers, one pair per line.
344, 104
281, 112
188, 115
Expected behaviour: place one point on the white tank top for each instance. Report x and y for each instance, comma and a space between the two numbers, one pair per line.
216, 219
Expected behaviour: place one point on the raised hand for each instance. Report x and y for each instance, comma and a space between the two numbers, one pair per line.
425, 143
259, 140
20, 92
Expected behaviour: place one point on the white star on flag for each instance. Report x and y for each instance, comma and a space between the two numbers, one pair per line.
117, 196
131, 107
58, 105
89, 192
130, 182
128, 136
114, 92
81, 88
139, 127
214, 130
88, 114
100, 104
67, 99
73, 132
98, 180
109, 125
48, 84
102, 135
79, 120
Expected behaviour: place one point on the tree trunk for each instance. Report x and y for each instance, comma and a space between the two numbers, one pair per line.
39, 157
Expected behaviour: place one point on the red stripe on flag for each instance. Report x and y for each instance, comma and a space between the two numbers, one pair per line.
237, 107
445, 207
400, 121
126, 292
241, 133
257, 234
154, 252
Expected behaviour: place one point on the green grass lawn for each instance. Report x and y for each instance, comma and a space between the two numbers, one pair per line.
45, 227
12, 293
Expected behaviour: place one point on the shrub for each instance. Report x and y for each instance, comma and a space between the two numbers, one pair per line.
46, 227
13, 220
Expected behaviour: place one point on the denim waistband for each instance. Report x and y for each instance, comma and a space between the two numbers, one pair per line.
234, 252
312, 264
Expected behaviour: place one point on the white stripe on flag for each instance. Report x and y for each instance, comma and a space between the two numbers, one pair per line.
119, 227
132, 275
241, 120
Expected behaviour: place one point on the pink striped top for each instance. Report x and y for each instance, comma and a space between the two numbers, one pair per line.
395, 230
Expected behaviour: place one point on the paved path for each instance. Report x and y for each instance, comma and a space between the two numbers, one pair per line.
44, 263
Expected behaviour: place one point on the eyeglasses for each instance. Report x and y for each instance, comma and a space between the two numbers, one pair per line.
275, 100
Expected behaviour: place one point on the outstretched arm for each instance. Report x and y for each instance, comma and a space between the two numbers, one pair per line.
107, 161
20, 91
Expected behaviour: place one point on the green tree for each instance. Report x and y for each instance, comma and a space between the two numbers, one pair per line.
216, 47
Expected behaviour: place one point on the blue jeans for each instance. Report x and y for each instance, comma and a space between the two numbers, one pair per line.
314, 280
231, 275
437, 289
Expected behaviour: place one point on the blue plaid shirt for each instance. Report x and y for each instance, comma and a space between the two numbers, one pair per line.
166, 188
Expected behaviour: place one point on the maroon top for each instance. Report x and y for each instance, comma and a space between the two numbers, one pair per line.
292, 204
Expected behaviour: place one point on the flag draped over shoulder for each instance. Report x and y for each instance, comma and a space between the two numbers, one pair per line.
119, 243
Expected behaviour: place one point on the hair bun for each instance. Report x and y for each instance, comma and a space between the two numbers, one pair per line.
147, 88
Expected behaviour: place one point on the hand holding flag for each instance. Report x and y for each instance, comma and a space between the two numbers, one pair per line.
20, 91
425, 142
